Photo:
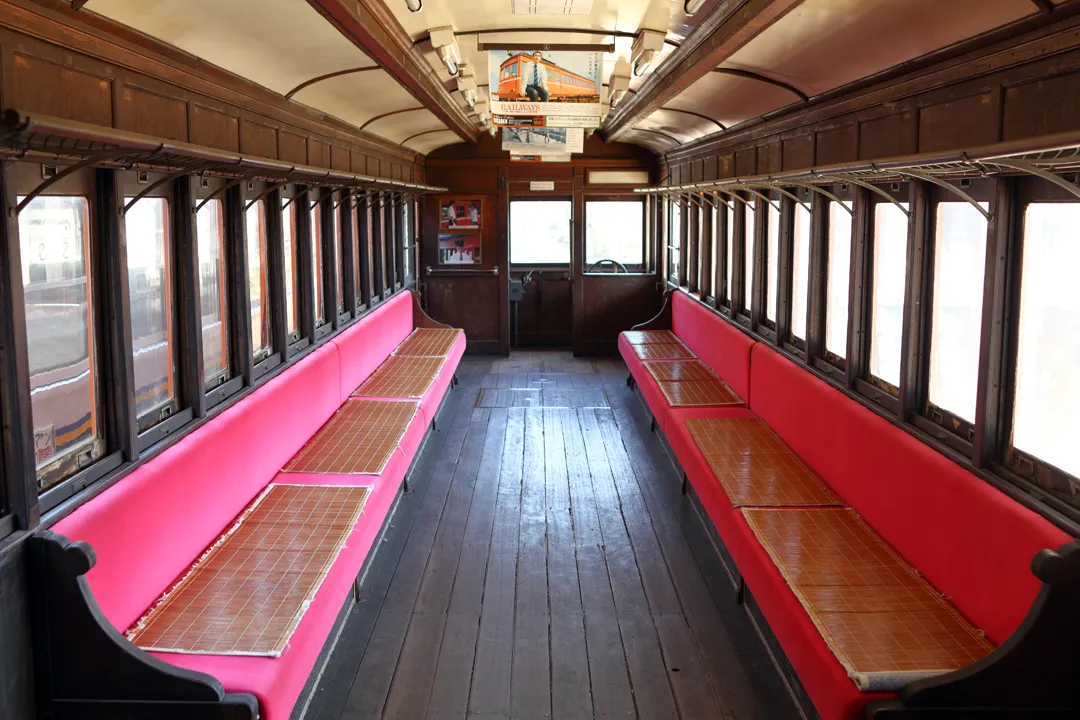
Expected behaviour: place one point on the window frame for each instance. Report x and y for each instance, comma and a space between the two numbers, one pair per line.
724, 238
378, 252
249, 196
360, 220
744, 308
318, 248
288, 196
641, 268
825, 360
946, 426
786, 310
764, 216
671, 275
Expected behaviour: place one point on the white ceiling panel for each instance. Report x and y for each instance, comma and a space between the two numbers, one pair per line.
432, 141
357, 97
730, 100
684, 125
404, 125
276, 43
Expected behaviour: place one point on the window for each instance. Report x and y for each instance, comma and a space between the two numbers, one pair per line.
800, 280
838, 278
1045, 422
410, 238
729, 266
54, 240
318, 290
152, 320
748, 255
288, 232
213, 296
540, 232
615, 230
674, 241
259, 296
339, 262
361, 250
956, 312
772, 261
887, 305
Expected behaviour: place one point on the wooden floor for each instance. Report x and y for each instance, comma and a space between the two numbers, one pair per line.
544, 564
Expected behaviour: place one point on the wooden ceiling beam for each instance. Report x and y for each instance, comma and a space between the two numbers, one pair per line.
371, 26
730, 26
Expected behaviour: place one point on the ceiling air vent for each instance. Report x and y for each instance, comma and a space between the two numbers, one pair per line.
552, 7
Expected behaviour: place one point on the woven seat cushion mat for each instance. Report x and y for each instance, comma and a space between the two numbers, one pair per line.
886, 625
663, 351
359, 439
685, 370
698, 393
650, 337
755, 467
249, 590
401, 377
428, 342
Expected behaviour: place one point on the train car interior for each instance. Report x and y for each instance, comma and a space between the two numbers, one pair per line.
539, 359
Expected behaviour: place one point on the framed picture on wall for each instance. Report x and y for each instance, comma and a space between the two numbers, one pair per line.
461, 214
459, 249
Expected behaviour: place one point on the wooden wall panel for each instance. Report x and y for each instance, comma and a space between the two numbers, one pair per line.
150, 112
373, 166
470, 304
339, 158
1042, 107
725, 166
746, 162
798, 152
292, 147
769, 158
38, 84
837, 144
318, 153
959, 122
258, 139
887, 136
214, 128
708, 171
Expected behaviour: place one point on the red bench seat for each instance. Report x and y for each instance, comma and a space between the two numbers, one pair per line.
970, 541
149, 527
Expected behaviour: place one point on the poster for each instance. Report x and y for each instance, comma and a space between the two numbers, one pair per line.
461, 214
459, 249
534, 141
546, 157
550, 88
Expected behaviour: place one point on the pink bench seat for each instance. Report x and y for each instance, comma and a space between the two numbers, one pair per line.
150, 526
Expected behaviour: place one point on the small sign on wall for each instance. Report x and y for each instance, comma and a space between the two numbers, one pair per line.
542, 185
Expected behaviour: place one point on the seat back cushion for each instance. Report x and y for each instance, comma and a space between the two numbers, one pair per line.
970, 540
152, 524
718, 343
364, 346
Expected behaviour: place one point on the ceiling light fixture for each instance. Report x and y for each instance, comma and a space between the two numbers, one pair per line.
466, 85
619, 82
689, 7
444, 41
418, 5
646, 45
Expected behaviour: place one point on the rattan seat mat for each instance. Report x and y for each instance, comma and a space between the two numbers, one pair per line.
651, 337
663, 351
401, 377
699, 393
249, 590
685, 370
886, 625
428, 342
755, 467
359, 439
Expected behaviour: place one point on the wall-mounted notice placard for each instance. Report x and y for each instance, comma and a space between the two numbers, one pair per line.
542, 185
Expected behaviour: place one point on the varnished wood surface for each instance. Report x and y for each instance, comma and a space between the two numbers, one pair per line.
544, 564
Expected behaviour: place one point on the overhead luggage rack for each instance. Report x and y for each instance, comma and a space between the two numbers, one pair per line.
50, 139
1048, 158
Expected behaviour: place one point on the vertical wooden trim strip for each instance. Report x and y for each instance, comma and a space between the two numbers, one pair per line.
276, 261
240, 293
859, 288
19, 493
347, 248
785, 271
819, 273
306, 312
187, 296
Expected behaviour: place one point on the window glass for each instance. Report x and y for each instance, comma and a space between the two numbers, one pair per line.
213, 296
54, 241
800, 280
1046, 423
410, 238
152, 320
773, 262
540, 231
838, 278
288, 230
890, 274
956, 323
675, 240
359, 216
318, 296
261, 338
729, 269
335, 241
615, 230
748, 256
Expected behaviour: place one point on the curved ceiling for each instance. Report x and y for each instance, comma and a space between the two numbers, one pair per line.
822, 45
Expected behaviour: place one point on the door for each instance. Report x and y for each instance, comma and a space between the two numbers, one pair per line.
541, 252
